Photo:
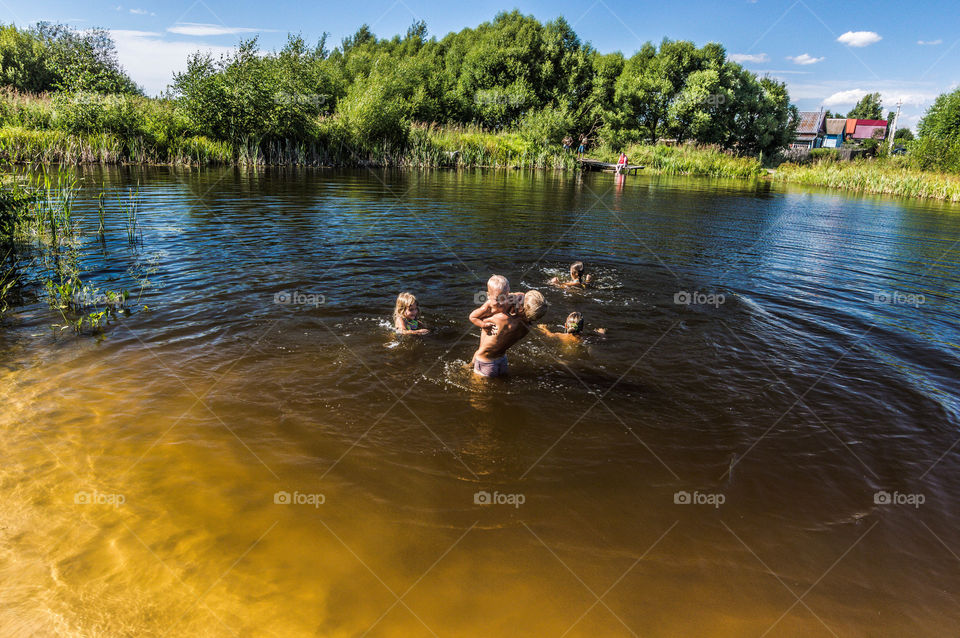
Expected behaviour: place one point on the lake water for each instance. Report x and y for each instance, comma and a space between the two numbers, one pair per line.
778, 457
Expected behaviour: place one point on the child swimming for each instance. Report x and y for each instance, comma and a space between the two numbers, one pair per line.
572, 329
406, 316
577, 277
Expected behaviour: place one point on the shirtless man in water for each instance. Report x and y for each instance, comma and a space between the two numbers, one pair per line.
502, 330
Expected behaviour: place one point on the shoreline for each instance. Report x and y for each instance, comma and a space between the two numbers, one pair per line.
28, 147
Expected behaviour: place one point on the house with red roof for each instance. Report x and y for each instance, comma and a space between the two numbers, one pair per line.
868, 129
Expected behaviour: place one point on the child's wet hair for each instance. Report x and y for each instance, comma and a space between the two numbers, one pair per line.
404, 301
576, 270
534, 305
574, 323
498, 283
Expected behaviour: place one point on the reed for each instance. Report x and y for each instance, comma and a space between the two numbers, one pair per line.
130, 207
53, 207
889, 176
100, 215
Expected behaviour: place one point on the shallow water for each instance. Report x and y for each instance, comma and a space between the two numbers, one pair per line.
141, 469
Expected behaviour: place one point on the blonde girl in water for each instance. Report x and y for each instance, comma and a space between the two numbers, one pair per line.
406, 316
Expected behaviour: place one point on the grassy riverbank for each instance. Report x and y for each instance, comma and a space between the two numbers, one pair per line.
115, 129
887, 176
427, 146
707, 161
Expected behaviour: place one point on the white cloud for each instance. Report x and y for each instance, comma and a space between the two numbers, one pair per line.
142, 12
859, 38
845, 97
151, 61
932, 43
804, 59
747, 57
197, 29
890, 98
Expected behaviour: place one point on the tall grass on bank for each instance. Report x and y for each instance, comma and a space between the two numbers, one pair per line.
889, 176
467, 145
707, 161
29, 146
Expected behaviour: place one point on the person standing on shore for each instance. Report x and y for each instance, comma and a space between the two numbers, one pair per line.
583, 145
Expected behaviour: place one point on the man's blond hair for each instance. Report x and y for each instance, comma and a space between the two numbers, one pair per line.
534, 306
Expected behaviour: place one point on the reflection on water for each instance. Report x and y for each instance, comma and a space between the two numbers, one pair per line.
244, 461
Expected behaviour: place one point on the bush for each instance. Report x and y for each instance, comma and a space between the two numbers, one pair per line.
824, 155
931, 153
547, 126
370, 116
25, 110
96, 113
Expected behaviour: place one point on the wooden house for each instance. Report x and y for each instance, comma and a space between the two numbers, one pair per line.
834, 132
810, 130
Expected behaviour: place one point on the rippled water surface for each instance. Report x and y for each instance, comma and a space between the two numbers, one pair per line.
140, 470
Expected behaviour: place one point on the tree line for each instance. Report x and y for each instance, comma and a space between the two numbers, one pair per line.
513, 73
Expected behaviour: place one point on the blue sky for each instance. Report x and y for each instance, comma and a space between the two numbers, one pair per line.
829, 53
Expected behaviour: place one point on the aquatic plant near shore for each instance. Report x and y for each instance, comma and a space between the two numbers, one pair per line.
130, 208
54, 206
39, 208
100, 214
8, 280
81, 304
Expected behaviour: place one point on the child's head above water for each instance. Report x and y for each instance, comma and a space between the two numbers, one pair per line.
574, 323
534, 306
407, 307
576, 270
498, 293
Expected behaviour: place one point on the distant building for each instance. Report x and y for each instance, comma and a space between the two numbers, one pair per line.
810, 130
850, 128
869, 129
835, 129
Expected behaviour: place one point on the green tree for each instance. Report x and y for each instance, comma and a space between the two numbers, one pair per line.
83, 61
938, 134
942, 119
869, 107
23, 61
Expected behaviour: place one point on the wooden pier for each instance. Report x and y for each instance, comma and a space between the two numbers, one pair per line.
588, 164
